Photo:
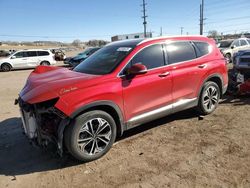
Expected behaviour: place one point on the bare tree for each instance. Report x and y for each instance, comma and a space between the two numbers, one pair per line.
76, 43
213, 34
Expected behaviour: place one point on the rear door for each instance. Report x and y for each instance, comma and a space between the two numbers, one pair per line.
144, 94
187, 70
32, 58
43, 56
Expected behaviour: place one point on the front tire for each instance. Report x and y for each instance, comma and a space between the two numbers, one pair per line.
209, 98
6, 67
90, 135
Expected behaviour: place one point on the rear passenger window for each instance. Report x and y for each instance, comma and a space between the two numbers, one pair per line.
42, 53
202, 48
180, 51
151, 57
31, 53
243, 42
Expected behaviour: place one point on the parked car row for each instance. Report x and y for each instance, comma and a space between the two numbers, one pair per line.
74, 61
4, 53
230, 47
33, 57
59, 54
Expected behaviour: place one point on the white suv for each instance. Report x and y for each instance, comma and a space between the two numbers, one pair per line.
237, 45
27, 59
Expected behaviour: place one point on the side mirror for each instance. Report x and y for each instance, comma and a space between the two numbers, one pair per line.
13, 57
137, 69
232, 47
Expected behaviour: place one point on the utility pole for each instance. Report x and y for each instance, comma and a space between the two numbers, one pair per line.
144, 18
161, 32
182, 30
201, 17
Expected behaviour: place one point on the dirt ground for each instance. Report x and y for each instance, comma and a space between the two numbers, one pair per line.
181, 150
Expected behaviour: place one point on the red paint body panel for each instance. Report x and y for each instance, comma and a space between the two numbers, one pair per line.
135, 96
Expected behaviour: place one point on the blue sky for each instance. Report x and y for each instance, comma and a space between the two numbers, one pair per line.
66, 20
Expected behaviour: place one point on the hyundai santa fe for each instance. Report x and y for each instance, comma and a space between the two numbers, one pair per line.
122, 85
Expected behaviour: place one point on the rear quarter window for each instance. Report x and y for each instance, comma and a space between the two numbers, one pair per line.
42, 53
202, 48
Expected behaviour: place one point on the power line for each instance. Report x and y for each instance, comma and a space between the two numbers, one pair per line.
47, 37
229, 19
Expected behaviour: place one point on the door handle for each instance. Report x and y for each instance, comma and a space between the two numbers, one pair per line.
202, 66
164, 74
24, 59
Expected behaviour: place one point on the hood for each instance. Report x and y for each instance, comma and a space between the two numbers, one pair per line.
47, 82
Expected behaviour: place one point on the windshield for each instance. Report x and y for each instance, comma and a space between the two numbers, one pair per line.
104, 61
225, 44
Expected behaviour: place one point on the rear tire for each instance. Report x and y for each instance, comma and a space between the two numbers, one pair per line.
209, 98
6, 67
90, 135
46, 63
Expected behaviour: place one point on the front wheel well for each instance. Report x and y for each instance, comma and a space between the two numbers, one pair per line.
6, 63
111, 111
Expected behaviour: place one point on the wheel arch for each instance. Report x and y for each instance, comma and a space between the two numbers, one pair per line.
106, 106
217, 78
9, 64
6, 63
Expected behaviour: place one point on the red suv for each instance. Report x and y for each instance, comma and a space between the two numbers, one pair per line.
123, 85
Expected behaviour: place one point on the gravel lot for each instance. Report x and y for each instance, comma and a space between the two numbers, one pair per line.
181, 150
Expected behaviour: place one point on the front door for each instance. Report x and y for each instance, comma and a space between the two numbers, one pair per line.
19, 60
147, 95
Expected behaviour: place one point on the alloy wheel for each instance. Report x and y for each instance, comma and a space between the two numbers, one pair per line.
94, 136
210, 98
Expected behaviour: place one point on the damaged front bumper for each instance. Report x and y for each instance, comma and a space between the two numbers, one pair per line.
43, 123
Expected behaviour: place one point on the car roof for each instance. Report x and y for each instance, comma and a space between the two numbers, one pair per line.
128, 42
227, 40
32, 50
136, 42
177, 37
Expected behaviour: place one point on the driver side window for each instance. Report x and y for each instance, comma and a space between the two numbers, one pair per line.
20, 55
151, 57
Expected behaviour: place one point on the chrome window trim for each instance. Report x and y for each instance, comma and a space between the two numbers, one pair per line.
165, 43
